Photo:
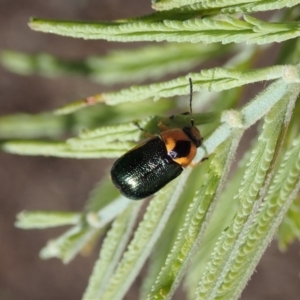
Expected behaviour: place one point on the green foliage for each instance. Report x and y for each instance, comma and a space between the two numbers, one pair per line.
226, 29
117, 66
222, 226
289, 229
222, 6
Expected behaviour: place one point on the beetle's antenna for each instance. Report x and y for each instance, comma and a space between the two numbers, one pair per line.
191, 99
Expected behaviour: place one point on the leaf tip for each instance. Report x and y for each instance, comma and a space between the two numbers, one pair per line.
32, 23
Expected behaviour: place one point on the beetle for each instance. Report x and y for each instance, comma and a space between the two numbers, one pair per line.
145, 169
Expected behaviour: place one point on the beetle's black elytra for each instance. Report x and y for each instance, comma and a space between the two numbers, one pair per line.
147, 168
137, 172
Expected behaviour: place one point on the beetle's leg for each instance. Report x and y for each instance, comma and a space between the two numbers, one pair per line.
142, 129
162, 126
193, 165
138, 126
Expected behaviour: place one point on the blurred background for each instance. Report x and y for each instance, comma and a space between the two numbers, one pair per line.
38, 183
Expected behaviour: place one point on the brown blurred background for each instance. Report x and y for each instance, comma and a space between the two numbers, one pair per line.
63, 184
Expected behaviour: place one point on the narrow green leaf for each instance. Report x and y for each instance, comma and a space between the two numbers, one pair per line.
262, 224
46, 219
168, 237
150, 62
208, 30
227, 6
225, 210
149, 230
107, 213
105, 141
263, 102
33, 126
253, 188
196, 221
79, 104
68, 245
111, 250
60, 149
169, 4
42, 63
103, 194
215, 79
105, 134
285, 186
289, 229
